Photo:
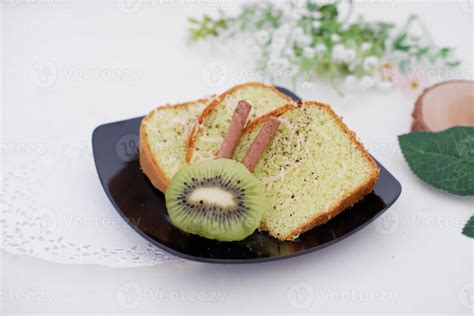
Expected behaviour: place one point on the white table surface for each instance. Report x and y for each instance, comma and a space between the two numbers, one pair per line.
418, 264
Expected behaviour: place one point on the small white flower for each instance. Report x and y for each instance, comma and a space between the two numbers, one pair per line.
300, 38
351, 82
263, 37
370, 62
316, 24
272, 63
309, 52
293, 70
292, 15
350, 55
335, 38
278, 64
338, 52
298, 32
321, 47
308, 85
278, 43
304, 41
317, 15
365, 46
283, 63
289, 52
366, 82
283, 31
353, 66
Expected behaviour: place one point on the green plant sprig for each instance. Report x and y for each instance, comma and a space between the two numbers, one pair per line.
320, 42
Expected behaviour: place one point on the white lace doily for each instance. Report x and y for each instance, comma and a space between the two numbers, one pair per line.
53, 207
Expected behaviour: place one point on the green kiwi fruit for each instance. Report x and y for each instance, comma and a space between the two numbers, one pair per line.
217, 199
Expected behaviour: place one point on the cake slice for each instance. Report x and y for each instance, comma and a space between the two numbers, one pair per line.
208, 132
314, 168
163, 134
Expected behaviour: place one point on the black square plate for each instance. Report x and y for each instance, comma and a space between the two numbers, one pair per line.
115, 147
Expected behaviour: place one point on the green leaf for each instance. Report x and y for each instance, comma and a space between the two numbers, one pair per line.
468, 229
444, 159
444, 52
329, 11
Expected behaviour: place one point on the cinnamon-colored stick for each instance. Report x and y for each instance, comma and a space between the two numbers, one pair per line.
234, 132
260, 143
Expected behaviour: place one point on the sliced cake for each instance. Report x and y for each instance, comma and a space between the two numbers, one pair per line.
208, 132
163, 135
314, 168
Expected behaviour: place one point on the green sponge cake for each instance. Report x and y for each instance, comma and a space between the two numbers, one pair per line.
163, 134
314, 168
208, 133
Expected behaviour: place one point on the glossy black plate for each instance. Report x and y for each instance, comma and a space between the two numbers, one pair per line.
115, 147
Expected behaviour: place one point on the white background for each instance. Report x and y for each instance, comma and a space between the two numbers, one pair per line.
413, 260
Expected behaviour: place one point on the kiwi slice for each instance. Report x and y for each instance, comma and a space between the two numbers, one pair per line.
217, 199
